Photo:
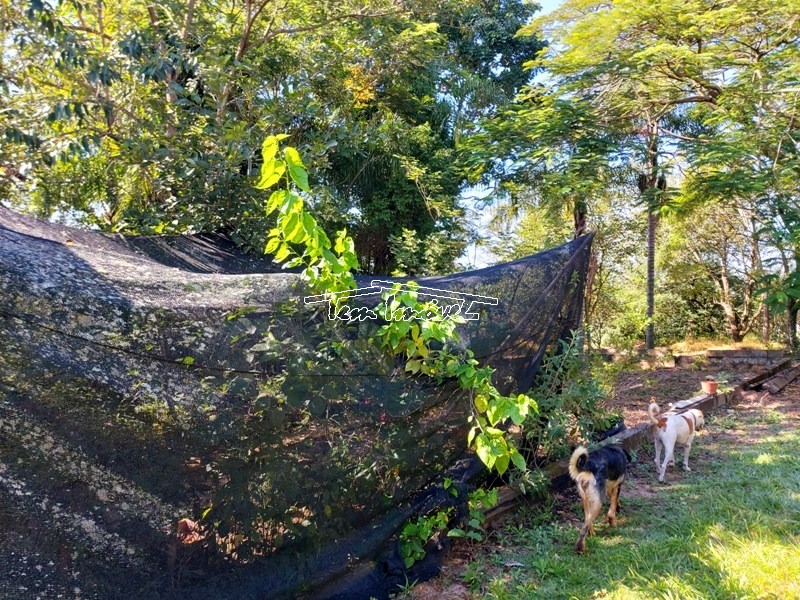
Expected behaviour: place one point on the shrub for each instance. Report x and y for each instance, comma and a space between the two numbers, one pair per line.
570, 400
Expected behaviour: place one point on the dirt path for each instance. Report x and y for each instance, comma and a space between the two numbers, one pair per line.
634, 389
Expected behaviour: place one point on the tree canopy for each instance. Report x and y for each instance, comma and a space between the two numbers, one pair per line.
667, 105
143, 117
147, 117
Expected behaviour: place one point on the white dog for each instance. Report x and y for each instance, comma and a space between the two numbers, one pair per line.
667, 431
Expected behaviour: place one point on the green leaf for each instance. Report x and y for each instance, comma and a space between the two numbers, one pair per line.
297, 170
495, 433
269, 148
271, 173
471, 436
501, 463
331, 260
484, 451
275, 200
298, 234
282, 254
496, 412
310, 224
292, 204
518, 460
272, 245
293, 157
289, 224
456, 533
300, 177
413, 366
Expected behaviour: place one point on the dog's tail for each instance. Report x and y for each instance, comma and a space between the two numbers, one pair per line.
652, 412
577, 462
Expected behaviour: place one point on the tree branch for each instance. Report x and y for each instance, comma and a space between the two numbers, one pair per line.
187, 21
683, 137
91, 30
693, 100
315, 26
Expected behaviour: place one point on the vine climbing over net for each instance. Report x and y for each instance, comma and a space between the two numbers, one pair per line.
426, 344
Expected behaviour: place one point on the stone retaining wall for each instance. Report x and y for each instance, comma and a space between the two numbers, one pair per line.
730, 359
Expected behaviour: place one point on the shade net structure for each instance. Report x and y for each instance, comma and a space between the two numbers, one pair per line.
147, 380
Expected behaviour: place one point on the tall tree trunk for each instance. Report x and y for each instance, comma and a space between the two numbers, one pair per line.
734, 323
758, 268
735, 331
792, 307
766, 324
650, 183
649, 334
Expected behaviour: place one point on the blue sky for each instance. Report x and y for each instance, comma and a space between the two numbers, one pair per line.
548, 5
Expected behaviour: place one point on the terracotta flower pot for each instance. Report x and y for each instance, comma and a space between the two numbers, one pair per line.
709, 387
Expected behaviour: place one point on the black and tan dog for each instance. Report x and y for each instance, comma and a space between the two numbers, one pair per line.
598, 473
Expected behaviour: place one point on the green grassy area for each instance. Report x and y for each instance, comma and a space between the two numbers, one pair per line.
728, 529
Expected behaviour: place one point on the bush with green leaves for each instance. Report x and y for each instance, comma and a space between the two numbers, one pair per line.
480, 500
415, 534
571, 403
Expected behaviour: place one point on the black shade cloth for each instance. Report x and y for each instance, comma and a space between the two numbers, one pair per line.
178, 374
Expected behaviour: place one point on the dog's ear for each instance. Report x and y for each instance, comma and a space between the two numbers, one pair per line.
581, 462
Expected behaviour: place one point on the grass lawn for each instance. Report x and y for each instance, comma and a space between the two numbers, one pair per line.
728, 529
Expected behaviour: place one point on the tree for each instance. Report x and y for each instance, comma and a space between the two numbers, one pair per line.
546, 151
151, 114
611, 299
746, 150
657, 75
405, 176
721, 243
